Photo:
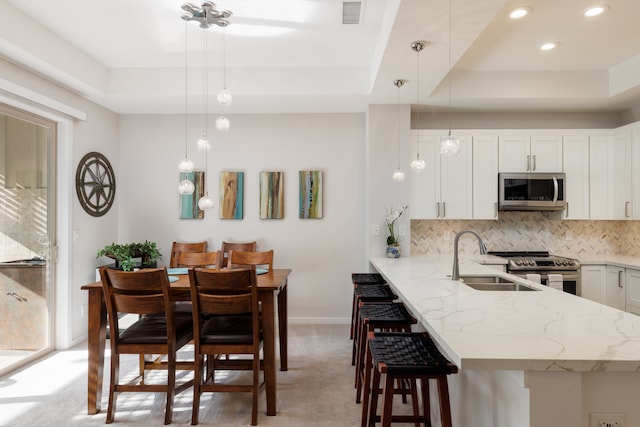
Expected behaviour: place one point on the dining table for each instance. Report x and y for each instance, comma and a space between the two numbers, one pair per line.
272, 286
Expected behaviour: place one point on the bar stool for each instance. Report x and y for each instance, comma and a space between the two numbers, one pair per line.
387, 317
405, 357
367, 294
359, 280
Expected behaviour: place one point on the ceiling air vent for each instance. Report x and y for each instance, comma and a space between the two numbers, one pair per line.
351, 11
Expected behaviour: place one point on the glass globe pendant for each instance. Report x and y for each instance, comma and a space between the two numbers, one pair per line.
203, 143
222, 124
186, 187
449, 146
224, 97
398, 176
205, 203
186, 165
418, 165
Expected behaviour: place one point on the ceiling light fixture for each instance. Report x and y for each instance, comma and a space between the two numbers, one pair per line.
548, 46
206, 15
520, 12
449, 146
418, 164
595, 11
398, 175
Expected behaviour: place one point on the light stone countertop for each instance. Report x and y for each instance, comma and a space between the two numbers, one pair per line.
548, 330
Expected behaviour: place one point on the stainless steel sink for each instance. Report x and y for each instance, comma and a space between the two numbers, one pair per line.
494, 283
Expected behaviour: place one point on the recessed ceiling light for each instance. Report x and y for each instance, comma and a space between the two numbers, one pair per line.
519, 12
595, 11
549, 45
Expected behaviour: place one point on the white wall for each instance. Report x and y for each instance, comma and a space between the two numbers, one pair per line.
322, 252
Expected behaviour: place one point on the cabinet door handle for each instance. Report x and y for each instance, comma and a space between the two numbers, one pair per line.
620, 279
626, 209
528, 163
534, 162
444, 209
437, 209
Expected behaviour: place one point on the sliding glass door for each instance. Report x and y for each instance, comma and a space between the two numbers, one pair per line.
27, 189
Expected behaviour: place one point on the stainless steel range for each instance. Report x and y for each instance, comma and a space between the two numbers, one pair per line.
522, 263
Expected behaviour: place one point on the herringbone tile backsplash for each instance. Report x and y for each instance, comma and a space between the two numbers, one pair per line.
528, 231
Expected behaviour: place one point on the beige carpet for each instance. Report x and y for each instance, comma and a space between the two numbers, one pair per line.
317, 390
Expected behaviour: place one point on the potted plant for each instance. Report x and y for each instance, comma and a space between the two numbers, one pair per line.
124, 254
393, 242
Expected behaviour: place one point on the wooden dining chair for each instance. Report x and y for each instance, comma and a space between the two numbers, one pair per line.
178, 247
235, 246
157, 331
199, 259
228, 300
242, 259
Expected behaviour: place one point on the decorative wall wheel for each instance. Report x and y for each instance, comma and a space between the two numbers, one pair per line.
95, 184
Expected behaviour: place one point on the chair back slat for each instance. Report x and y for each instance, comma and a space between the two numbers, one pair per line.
251, 259
199, 259
178, 247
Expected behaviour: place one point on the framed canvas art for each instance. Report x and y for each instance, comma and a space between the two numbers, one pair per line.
271, 195
231, 195
310, 194
189, 202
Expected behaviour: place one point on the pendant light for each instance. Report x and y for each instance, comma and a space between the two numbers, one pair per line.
449, 146
206, 202
418, 164
186, 165
224, 96
398, 175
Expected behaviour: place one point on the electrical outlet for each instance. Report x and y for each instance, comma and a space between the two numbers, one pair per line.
607, 420
375, 230
402, 230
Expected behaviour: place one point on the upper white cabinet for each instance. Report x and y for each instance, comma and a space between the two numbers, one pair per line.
485, 177
635, 171
622, 160
524, 153
600, 177
443, 190
575, 164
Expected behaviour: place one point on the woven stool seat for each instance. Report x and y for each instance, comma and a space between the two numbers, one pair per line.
367, 279
368, 292
386, 316
373, 292
409, 354
404, 358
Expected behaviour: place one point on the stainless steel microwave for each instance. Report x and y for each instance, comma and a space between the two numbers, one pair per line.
532, 191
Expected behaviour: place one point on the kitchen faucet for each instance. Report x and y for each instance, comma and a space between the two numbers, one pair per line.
456, 268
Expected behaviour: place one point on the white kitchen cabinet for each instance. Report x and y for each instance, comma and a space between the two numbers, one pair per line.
632, 279
622, 203
615, 287
575, 164
443, 190
593, 280
635, 171
485, 177
600, 177
524, 153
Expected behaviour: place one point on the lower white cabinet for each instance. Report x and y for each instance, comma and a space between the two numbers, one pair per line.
593, 279
632, 278
615, 288
606, 284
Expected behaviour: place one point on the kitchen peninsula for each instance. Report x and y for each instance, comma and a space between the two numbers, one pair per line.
545, 358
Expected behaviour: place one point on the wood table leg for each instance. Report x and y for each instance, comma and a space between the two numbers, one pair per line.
97, 330
282, 326
268, 331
